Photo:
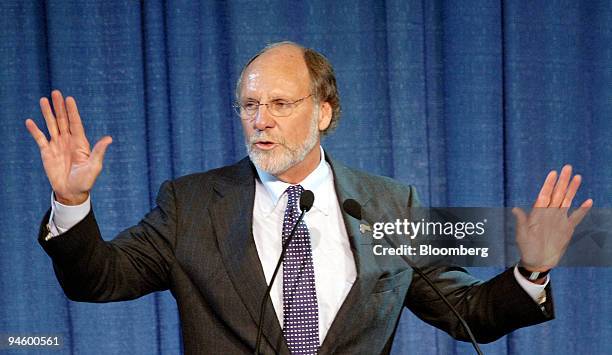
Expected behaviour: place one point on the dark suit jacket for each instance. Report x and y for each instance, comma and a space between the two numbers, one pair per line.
198, 243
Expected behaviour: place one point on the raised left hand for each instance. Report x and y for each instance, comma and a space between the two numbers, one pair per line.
544, 234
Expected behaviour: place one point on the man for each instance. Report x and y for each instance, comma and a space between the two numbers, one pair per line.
214, 238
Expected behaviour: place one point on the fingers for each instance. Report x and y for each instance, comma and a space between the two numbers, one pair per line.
100, 149
45, 108
558, 194
561, 193
544, 197
60, 112
76, 126
576, 217
36, 133
571, 191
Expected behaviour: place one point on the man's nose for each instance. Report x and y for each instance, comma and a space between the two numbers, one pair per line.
263, 119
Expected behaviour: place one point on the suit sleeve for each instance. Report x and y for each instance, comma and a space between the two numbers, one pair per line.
492, 309
134, 263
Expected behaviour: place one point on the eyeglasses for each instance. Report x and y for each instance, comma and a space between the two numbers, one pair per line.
277, 108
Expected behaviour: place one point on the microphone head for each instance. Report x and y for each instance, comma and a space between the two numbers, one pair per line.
306, 200
353, 208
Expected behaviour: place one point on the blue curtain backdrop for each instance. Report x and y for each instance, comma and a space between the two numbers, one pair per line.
471, 101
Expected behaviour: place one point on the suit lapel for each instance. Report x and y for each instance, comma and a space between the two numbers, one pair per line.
348, 185
232, 218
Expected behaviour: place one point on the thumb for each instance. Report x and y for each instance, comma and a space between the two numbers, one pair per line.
100, 148
521, 217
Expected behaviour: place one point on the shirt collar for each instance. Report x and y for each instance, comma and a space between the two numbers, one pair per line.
315, 182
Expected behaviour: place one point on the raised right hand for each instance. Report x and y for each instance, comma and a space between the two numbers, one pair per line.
70, 165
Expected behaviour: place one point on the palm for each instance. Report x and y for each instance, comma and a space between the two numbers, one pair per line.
553, 233
70, 165
66, 163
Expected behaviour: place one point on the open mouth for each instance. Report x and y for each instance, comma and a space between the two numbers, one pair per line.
265, 145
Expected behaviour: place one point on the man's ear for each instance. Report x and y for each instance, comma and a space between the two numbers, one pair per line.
325, 115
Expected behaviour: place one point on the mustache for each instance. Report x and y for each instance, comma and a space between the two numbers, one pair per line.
265, 137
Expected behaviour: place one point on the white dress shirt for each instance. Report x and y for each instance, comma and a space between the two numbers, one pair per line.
334, 265
333, 260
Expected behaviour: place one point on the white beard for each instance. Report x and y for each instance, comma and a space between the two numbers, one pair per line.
284, 156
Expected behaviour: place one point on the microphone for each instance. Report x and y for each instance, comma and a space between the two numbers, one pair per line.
354, 209
306, 201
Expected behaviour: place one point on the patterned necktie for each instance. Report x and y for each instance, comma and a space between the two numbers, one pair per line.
300, 309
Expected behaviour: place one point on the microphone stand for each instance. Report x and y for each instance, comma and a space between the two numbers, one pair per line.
306, 201
354, 209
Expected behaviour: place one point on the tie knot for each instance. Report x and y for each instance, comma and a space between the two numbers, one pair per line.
294, 192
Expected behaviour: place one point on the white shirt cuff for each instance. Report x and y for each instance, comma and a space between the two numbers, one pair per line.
64, 217
535, 291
